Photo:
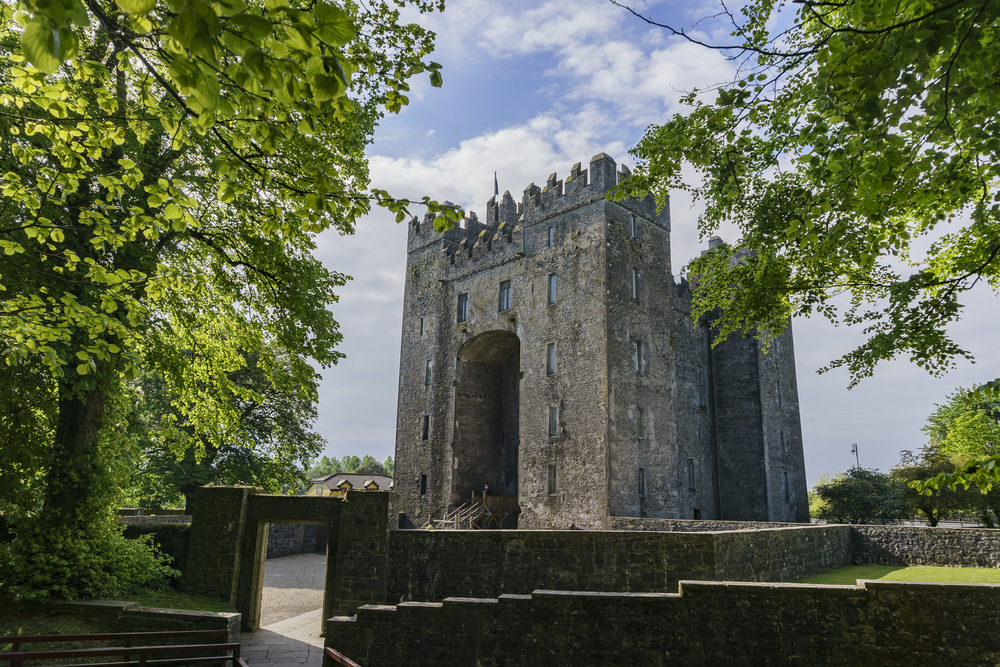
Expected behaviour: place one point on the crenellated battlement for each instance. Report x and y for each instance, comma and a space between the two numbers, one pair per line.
500, 232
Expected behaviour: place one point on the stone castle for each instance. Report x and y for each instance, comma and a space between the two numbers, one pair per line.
549, 352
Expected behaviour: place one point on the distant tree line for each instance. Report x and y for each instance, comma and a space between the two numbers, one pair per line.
366, 465
961, 433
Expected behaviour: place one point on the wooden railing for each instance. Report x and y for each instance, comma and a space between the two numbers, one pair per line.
333, 657
133, 648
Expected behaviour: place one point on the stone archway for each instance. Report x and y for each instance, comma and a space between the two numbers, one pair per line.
487, 416
228, 544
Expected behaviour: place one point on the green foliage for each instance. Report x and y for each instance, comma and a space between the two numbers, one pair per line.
352, 464
816, 504
856, 150
165, 167
87, 557
252, 429
966, 430
849, 574
864, 496
929, 462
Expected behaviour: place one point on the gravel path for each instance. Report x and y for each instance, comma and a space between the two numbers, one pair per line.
293, 585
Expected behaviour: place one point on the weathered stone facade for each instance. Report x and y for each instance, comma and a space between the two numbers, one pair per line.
548, 352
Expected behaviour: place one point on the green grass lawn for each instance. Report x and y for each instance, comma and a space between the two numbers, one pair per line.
176, 600
849, 574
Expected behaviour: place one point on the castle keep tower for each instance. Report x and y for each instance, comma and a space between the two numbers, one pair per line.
548, 352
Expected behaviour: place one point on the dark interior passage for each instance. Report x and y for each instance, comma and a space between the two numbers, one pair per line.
487, 413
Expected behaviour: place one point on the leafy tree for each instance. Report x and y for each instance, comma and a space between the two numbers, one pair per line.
927, 463
352, 464
265, 445
864, 496
857, 151
369, 466
966, 430
165, 166
390, 466
817, 504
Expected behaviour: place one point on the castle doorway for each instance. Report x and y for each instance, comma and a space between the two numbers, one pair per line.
487, 414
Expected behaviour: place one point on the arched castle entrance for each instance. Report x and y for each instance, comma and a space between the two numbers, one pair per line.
487, 412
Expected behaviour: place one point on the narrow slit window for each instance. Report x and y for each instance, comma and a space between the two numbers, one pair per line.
638, 422
421, 326
785, 486
635, 284
504, 296
690, 475
642, 483
553, 485
553, 421
779, 393
781, 439
637, 352
428, 372
423, 485
634, 228
552, 288
463, 307
425, 428
552, 235
550, 359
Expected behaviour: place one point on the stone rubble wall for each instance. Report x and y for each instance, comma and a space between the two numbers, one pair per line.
707, 623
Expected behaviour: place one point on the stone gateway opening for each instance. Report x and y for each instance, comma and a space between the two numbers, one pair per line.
487, 411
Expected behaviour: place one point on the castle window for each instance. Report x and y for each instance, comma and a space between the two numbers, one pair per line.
552, 288
425, 429
690, 476
635, 284
637, 352
553, 421
504, 296
421, 326
778, 384
777, 346
697, 514
553, 480
428, 372
550, 359
423, 485
642, 483
552, 235
638, 422
634, 228
463, 307
785, 486
781, 439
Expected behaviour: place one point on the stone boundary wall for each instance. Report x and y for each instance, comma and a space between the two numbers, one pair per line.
707, 623
691, 525
116, 616
290, 539
154, 520
781, 554
426, 565
916, 545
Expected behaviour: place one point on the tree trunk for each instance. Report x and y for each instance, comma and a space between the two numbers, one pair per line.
71, 476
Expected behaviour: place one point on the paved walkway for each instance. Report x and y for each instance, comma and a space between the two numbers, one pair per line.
294, 642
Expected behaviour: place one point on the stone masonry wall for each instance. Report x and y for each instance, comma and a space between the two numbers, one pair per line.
689, 526
289, 539
717, 624
913, 545
432, 565
217, 525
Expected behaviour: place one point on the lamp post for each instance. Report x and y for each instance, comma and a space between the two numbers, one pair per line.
854, 450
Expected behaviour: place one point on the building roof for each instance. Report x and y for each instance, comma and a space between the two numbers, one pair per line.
333, 481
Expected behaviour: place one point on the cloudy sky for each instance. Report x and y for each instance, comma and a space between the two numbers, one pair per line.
530, 88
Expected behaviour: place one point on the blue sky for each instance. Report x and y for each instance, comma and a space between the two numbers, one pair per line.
531, 88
